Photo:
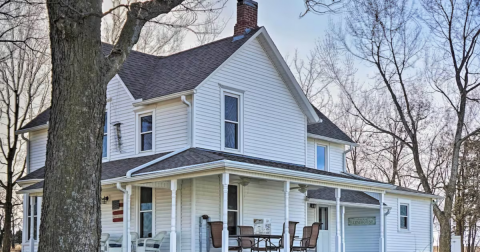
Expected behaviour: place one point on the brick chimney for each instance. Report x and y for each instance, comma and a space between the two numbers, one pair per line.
247, 12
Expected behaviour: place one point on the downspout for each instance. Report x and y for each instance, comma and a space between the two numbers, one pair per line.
385, 229
28, 152
126, 214
345, 158
189, 142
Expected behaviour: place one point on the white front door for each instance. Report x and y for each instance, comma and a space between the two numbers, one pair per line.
323, 243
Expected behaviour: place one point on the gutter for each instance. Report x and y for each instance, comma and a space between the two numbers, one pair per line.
419, 194
126, 214
163, 98
189, 119
27, 157
39, 127
315, 136
385, 229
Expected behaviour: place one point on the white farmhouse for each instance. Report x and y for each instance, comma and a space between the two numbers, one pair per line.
223, 132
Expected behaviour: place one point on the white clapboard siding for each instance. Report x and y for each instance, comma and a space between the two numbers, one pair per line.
418, 239
38, 149
276, 131
115, 229
362, 238
207, 202
171, 126
120, 111
163, 210
311, 152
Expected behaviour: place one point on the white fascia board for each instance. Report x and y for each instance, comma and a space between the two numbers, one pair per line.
419, 194
39, 127
29, 182
30, 191
333, 140
284, 70
163, 98
346, 204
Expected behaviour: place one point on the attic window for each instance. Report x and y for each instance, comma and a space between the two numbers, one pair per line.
231, 121
146, 133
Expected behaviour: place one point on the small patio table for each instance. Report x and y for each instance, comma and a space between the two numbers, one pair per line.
265, 237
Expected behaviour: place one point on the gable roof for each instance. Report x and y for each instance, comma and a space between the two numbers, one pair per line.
148, 76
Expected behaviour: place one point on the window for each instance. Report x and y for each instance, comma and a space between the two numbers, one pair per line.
323, 217
146, 133
404, 216
321, 157
105, 136
146, 212
231, 121
35, 213
232, 209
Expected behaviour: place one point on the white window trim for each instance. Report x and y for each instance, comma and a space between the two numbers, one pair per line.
409, 217
109, 130
240, 189
137, 207
138, 139
225, 91
327, 155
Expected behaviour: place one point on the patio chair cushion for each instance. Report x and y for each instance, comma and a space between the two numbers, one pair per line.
154, 245
113, 245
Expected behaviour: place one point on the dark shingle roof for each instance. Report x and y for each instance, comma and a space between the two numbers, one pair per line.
327, 128
40, 119
328, 193
113, 169
38, 185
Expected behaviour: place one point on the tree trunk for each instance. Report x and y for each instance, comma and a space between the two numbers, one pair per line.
74, 147
7, 222
445, 235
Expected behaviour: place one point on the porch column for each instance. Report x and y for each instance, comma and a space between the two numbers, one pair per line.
343, 229
26, 198
173, 233
225, 235
127, 218
338, 240
125, 234
32, 219
382, 219
286, 238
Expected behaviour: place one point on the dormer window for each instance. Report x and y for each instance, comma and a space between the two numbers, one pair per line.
232, 121
146, 132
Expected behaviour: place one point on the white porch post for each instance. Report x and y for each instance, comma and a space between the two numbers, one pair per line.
26, 198
32, 219
125, 222
382, 219
127, 218
286, 237
225, 182
343, 228
338, 245
173, 233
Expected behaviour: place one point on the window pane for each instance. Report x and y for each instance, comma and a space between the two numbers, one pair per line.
231, 108
145, 199
104, 151
146, 123
232, 197
35, 236
146, 141
404, 222
321, 157
232, 223
231, 135
403, 210
146, 224
105, 127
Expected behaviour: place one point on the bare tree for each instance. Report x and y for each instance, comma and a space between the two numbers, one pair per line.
388, 36
71, 193
24, 91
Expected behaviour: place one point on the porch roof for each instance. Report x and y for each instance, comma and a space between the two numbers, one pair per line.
328, 193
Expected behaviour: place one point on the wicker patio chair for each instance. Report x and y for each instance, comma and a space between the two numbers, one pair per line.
309, 241
216, 228
292, 225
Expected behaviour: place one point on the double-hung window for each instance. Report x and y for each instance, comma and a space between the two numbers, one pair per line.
321, 159
146, 212
105, 136
146, 132
404, 216
231, 121
232, 209
35, 214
